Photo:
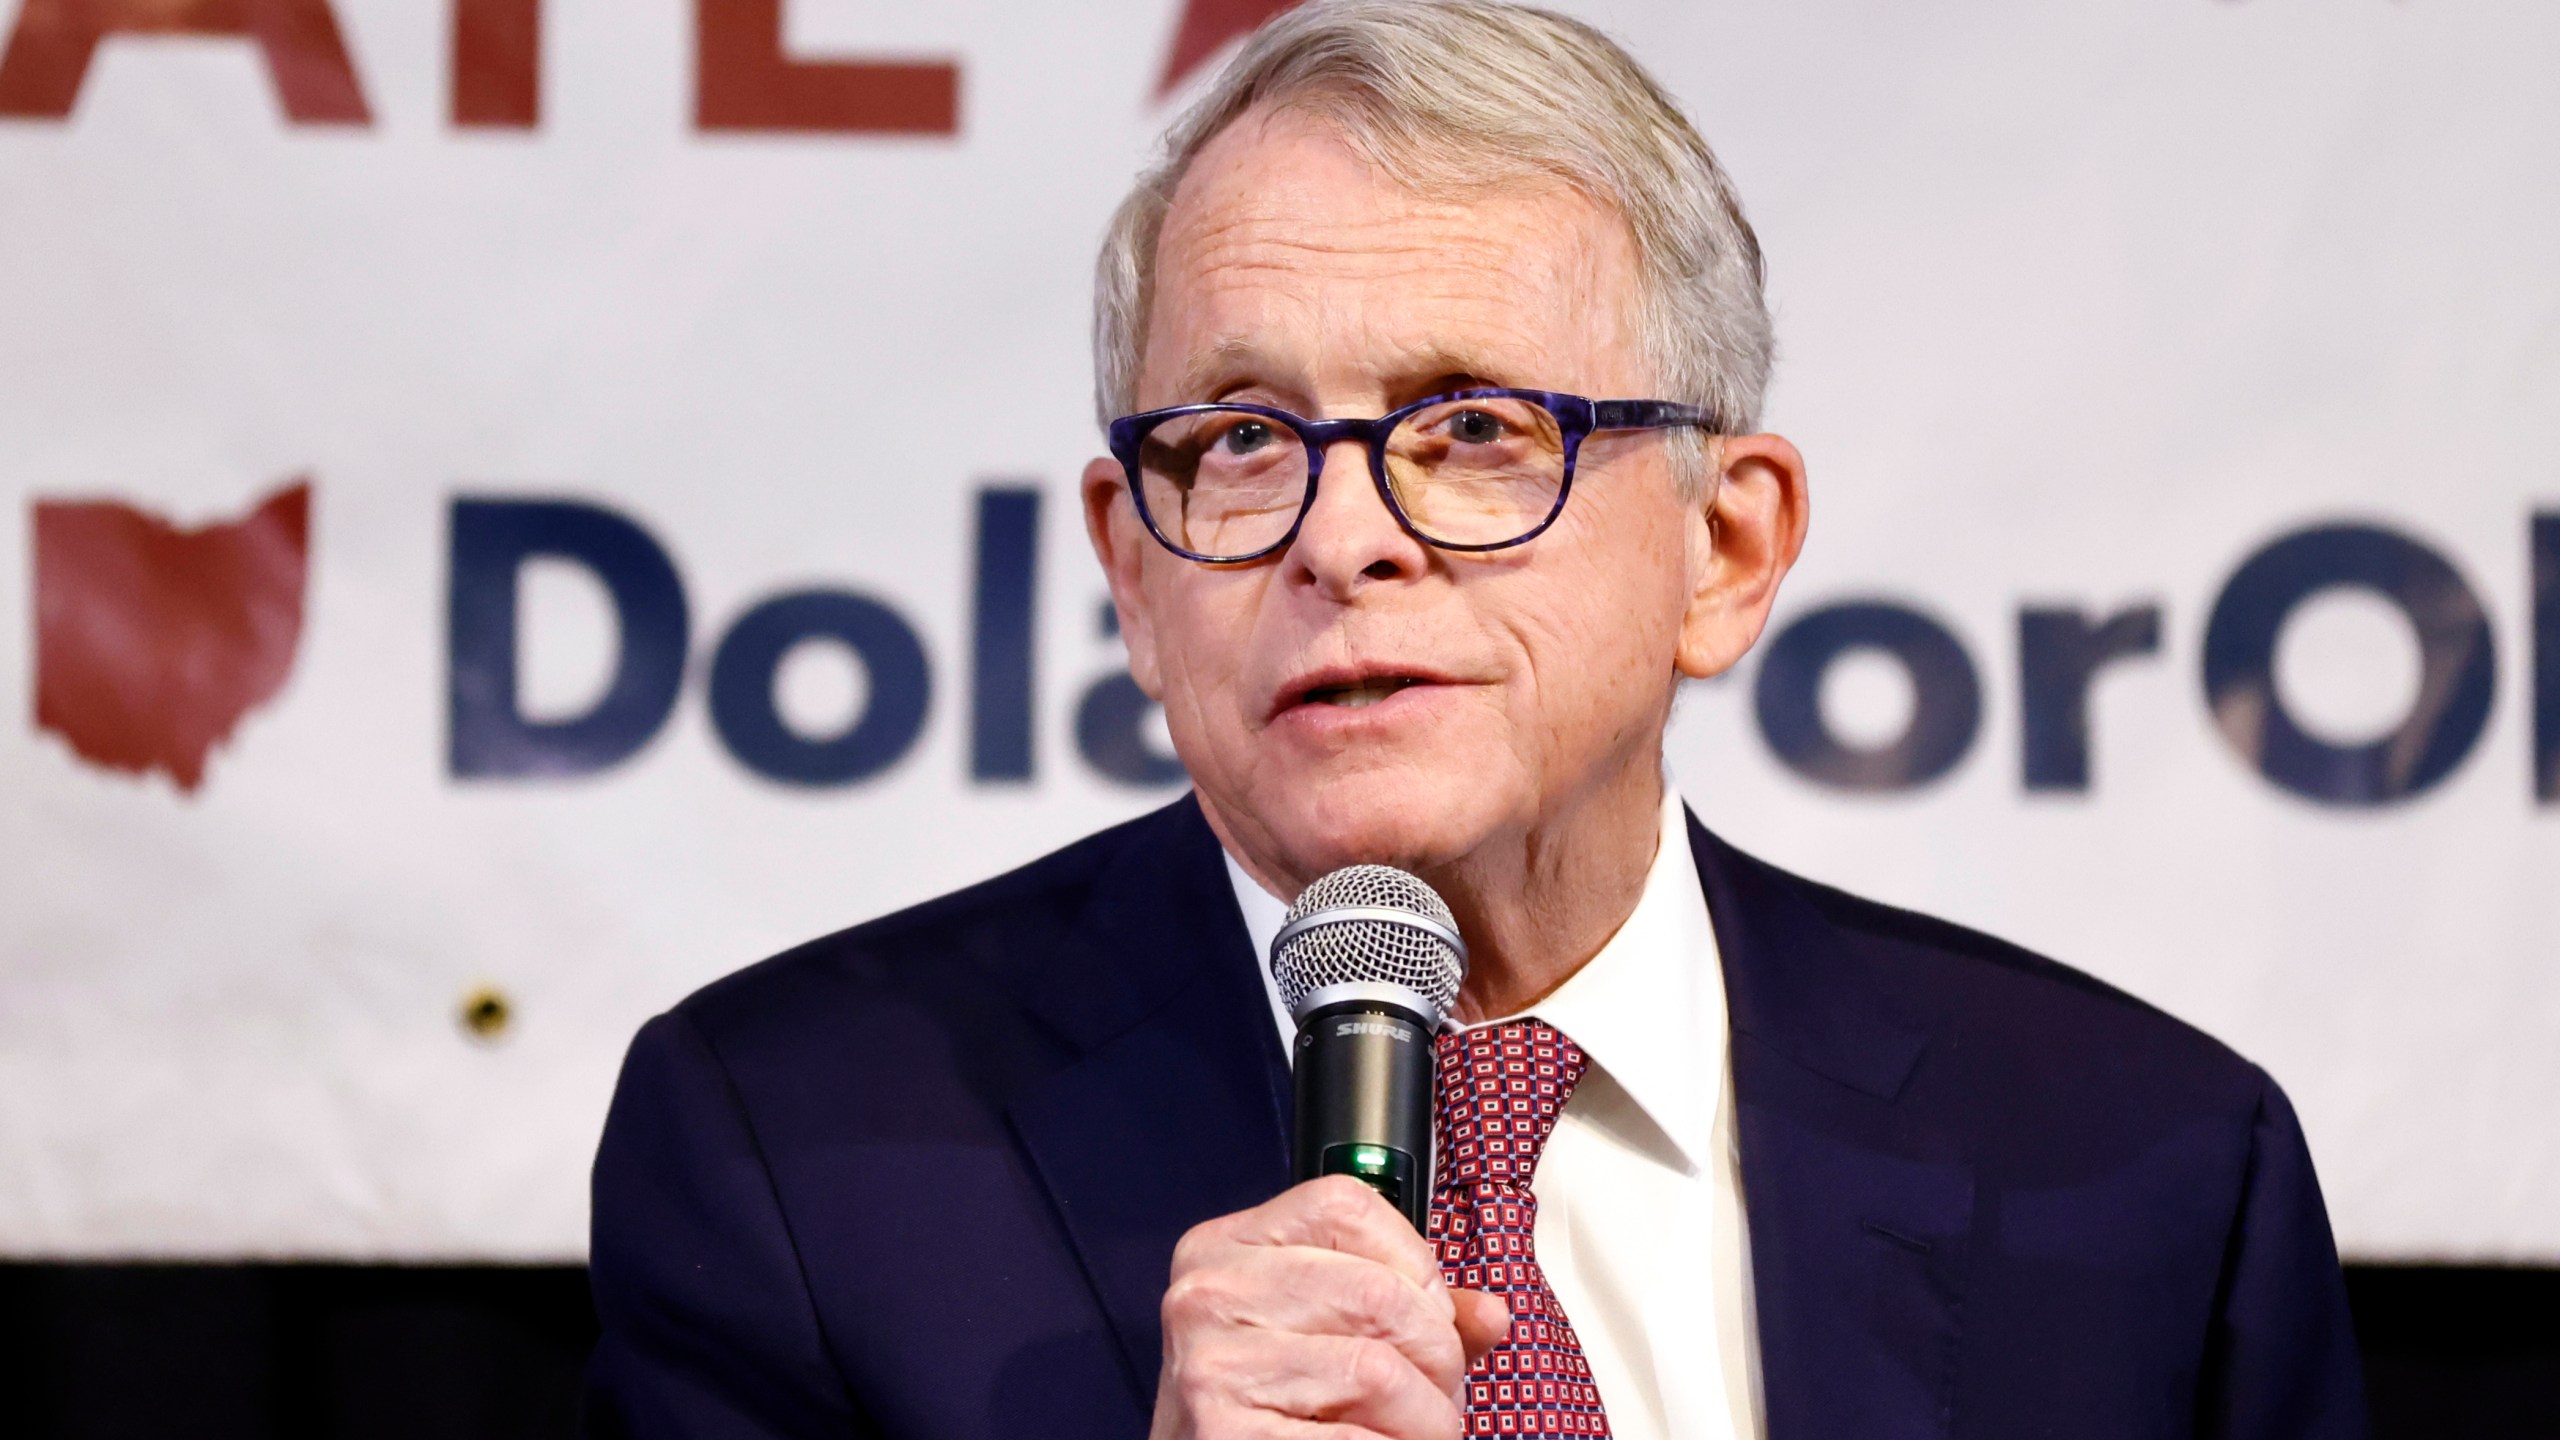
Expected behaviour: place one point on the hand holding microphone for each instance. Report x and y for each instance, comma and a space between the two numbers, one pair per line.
1327, 1304
1321, 1304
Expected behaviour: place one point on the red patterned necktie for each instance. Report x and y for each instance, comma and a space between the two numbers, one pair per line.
1501, 1088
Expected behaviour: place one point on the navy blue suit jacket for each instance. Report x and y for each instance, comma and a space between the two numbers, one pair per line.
924, 1177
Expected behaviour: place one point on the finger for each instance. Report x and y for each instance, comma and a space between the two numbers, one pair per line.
1338, 1379
1484, 1320
1238, 1424
1336, 1212
1306, 1291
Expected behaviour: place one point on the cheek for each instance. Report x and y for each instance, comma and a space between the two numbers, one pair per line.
1202, 620
1601, 631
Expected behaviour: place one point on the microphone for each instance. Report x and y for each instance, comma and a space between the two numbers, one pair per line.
1368, 963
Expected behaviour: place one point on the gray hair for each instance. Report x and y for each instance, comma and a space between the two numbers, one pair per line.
1486, 91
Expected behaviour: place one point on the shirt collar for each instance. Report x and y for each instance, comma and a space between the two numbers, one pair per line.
1648, 1009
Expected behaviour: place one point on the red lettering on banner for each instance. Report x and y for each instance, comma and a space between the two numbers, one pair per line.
744, 81
50, 51
1207, 26
151, 641
497, 63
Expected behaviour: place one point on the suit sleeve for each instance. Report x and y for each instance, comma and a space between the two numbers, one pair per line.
2281, 1358
707, 1325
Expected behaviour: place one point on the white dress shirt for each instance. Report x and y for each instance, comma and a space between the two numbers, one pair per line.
1640, 1230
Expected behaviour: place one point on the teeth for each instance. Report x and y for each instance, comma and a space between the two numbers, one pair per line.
1362, 695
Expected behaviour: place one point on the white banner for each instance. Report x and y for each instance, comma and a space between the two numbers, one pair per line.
515, 508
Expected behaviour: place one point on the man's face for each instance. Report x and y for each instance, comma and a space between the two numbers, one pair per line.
1363, 696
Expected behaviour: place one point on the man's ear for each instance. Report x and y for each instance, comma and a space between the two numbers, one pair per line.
1121, 543
1744, 537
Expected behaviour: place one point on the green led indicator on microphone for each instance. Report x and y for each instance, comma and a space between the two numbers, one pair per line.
1383, 1168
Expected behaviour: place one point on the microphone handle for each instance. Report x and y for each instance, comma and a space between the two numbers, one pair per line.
1363, 1093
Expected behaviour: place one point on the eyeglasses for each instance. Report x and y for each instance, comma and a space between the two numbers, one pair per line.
1472, 470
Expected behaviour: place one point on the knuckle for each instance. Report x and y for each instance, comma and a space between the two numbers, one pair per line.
1442, 1358
1196, 1243
1377, 1297
1211, 1372
1372, 1367
1196, 1299
1207, 1378
1339, 1199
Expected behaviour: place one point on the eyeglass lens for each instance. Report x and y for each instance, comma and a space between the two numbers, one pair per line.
1464, 472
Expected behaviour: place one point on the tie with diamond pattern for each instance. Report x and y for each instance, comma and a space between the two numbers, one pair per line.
1501, 1088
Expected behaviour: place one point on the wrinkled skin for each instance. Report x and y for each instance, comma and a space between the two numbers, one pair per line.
1521, 775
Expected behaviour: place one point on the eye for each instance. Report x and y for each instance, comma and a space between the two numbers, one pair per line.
1475, 427
1244, 437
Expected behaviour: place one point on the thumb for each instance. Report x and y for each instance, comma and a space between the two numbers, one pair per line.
1483, 1321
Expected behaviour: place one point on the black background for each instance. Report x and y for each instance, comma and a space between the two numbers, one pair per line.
298, 1352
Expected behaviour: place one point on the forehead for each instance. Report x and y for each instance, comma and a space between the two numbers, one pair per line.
1289, 259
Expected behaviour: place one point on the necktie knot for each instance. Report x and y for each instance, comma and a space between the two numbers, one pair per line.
1501, 1089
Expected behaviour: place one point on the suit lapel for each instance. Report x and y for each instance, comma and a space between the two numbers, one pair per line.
1175, 1111
1859, 1213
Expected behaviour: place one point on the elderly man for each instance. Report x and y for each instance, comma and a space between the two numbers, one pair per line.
1431, 359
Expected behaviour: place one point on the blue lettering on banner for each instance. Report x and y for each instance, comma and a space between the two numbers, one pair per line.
1946, 697
1111, 733
490, 540
2060, 653
1111, 725
742, 673
2063, 650
1003, 631
2457, 664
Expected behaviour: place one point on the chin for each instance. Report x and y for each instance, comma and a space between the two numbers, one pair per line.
1400, 818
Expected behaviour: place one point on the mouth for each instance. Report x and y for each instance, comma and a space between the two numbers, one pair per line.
1352, 687
1358, 694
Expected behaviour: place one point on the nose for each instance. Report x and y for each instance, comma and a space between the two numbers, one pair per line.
1350, 538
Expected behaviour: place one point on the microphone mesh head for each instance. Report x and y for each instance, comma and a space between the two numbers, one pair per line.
1367, 948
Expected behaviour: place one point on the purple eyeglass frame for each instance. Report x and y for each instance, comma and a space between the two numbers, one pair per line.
1576, 417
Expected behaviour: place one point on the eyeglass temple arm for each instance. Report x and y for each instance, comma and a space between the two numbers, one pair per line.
1647, 415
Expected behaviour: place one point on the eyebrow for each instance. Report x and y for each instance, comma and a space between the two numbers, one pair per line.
1211, 372
1234, 360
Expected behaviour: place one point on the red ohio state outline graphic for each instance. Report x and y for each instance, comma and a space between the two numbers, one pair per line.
151, 641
